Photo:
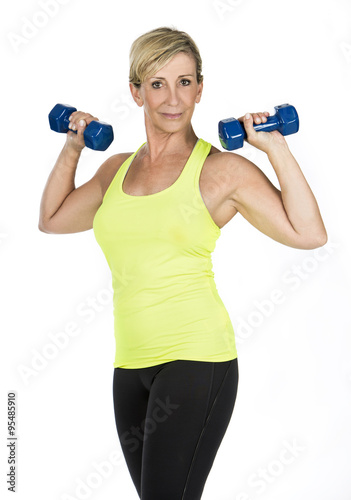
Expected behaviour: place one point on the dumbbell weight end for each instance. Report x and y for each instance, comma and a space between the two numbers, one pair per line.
59, 118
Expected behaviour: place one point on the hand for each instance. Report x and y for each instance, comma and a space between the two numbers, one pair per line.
265, 141
78, 121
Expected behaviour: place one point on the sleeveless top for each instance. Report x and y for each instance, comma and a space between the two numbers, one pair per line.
158, 247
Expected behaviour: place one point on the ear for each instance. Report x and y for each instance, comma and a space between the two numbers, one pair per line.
199, 93
136, 95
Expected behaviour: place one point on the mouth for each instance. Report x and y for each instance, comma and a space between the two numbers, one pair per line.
171, 116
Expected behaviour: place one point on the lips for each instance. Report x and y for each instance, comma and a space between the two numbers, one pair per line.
172, 116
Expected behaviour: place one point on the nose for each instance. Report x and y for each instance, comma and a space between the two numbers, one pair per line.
172, 97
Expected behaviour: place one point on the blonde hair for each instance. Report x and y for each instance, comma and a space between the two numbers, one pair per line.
152, 50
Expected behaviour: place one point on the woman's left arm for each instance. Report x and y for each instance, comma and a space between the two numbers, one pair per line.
290, 216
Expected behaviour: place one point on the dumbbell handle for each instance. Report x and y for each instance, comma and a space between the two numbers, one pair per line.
67, 122
271, 124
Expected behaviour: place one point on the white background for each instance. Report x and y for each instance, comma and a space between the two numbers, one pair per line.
294, 357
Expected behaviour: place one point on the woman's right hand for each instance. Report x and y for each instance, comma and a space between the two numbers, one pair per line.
78, 121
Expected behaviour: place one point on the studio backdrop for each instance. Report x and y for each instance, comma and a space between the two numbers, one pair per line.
289, 436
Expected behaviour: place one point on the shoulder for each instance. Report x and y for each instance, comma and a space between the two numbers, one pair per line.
106, 172
113, 163
224, 160
227, 169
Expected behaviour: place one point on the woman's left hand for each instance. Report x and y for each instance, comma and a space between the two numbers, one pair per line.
265, 141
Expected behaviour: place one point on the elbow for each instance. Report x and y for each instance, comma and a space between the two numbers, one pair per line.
42, 226
323, 239
317, 241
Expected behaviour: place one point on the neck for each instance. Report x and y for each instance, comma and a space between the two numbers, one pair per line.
161, 144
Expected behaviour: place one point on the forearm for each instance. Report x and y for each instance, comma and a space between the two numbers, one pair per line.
60, 183
299, 202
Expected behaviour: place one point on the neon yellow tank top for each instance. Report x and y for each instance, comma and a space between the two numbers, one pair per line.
158, 247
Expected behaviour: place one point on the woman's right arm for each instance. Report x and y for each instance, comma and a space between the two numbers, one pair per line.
65, 208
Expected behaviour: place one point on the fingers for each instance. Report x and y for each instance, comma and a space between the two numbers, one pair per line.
260, 117
257, 117
79, 120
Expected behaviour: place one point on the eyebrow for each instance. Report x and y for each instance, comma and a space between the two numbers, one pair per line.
180, 76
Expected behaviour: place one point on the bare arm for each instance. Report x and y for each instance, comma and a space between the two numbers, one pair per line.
65, 208
59, 185
60, 211
290, 216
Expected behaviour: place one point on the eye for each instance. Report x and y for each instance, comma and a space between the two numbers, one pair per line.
158, 82
153, 83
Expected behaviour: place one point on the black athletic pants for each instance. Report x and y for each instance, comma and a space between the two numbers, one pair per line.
171, 419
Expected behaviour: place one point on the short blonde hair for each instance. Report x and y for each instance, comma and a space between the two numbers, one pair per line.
152, 50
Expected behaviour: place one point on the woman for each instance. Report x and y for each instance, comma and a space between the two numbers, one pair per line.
157, 214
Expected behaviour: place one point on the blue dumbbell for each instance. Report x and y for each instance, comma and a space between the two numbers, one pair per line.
232, 132
97, 135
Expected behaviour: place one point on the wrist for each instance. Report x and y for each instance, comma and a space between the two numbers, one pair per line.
71, 152
278, 151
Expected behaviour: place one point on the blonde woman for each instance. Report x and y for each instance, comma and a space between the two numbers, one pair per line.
157, 213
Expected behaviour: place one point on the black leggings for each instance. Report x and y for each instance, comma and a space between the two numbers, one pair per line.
171, 419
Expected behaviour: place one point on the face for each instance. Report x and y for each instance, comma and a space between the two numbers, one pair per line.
169, 96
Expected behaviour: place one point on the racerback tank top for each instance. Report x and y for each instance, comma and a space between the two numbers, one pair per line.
158, 247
